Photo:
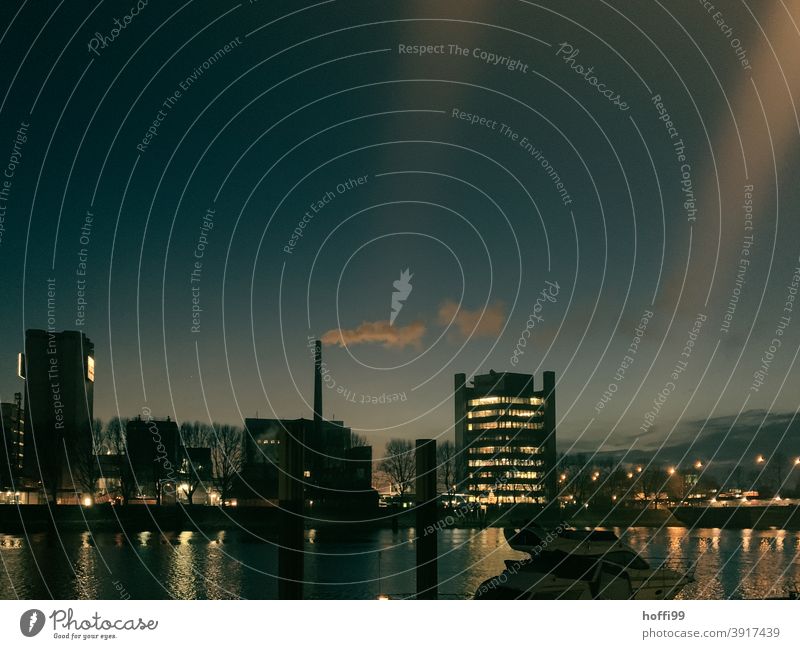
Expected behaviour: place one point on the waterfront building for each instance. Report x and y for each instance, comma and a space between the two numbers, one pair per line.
12, 448
506, 438
330, 463
335, 472
154, 459
58, 368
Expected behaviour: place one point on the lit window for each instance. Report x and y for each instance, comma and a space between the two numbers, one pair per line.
488, 425
90, 368
510, 412
487, 401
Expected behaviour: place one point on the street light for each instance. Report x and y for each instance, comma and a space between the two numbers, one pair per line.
760, 459
698, 465
671, 470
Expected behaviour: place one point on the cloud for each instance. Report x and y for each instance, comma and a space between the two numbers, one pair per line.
724, 440
380, 332
486, 322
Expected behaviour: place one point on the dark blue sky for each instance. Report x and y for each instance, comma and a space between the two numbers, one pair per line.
305, 100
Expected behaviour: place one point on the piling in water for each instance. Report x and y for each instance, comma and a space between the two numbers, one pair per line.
426, 510
290, 500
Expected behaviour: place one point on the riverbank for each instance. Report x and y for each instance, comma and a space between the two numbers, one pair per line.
176, 518
266, 520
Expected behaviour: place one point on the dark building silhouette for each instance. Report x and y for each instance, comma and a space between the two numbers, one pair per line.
154, 458
12, 448
58, 368
506, 437
335, 473
330, 462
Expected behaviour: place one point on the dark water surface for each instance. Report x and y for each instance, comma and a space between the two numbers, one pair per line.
729, 563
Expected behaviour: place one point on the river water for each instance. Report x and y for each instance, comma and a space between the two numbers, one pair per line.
729, 563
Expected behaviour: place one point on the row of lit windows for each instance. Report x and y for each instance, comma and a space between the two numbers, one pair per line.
494, 438
499, 413
522, 500
504, 461
495, 488
489, 450
520, 475
486, 425
488, 401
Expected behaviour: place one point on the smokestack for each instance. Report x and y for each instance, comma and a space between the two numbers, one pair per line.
317, 384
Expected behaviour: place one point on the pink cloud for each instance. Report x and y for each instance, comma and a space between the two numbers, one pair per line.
481, 322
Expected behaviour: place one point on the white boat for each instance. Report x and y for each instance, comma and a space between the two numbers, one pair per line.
535, 539
579, 564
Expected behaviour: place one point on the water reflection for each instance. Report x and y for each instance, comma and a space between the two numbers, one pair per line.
233, 564
739, 564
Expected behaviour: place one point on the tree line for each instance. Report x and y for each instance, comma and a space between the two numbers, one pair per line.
223, 441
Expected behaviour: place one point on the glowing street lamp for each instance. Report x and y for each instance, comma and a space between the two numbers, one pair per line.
797, 461
671, 470
760, 459
698, 465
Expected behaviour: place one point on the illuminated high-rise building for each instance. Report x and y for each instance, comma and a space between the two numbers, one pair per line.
12, 447
506, 438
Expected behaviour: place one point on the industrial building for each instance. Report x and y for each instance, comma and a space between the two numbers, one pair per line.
335, 473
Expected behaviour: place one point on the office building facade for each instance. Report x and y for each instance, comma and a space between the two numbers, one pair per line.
506, 438
12, 448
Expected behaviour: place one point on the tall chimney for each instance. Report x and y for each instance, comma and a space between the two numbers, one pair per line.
317, 385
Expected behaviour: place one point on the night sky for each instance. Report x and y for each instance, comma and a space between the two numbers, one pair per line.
445, 162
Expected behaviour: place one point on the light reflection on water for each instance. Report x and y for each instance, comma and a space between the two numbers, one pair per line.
739, 564
188, 565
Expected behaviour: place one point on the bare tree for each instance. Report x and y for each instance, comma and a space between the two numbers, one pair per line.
653, 483
616, 483
195, 434
446, 461
399, 464
195, 466
114, 440
83, 453
357, 440
195, 469
227, 457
